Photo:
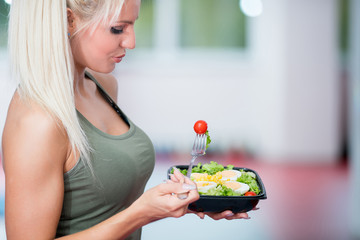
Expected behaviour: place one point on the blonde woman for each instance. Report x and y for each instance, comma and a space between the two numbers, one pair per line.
75, 165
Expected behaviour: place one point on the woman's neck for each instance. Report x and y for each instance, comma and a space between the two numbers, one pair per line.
79, 80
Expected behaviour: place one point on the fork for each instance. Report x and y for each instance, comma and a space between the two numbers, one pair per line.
199, 148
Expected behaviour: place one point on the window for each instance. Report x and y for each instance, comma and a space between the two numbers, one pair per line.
195, 24
4, 12
343, 25
145, 24
191, 24
212, 23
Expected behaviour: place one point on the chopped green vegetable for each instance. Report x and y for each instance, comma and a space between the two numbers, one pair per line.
212, 168
197, 169
229, 167
208, 139
220, 190
251, 174
184, 171
249, 180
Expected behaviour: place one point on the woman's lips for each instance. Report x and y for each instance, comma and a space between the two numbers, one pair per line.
119, 58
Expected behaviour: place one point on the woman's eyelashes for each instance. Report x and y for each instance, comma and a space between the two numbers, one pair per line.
117, 30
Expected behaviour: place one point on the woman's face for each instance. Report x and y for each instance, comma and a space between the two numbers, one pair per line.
101, 49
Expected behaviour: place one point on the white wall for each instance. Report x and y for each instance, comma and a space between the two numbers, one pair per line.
296, 49
354, 117
313, 79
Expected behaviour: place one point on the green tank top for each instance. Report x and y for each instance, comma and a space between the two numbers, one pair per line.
122, 165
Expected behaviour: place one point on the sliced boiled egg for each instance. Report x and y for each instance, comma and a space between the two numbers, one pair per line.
196, 177
205, 186
237, 186
230, 175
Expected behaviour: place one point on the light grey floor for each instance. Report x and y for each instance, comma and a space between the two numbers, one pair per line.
2, 228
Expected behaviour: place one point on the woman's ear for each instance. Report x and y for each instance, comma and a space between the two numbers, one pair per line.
71, 21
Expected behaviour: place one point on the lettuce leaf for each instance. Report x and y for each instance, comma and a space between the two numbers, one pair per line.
208, 139
249, 180
212, 168
220, 191
197, 169
229, 167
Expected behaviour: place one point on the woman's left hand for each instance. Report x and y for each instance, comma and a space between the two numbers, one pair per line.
229, 215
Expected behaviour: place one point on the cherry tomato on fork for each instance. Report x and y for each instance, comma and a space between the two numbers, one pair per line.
200, 127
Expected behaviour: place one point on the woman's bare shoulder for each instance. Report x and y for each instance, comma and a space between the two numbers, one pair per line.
30, 129
28, 115
108, 82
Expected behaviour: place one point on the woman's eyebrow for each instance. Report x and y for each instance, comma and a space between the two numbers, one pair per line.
127, 21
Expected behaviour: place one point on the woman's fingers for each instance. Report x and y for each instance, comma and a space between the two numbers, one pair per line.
188, 181
161, 201
178, 175
199, 214
238, 216
175, 188
180, 205
229, 215
173, 178
218, 216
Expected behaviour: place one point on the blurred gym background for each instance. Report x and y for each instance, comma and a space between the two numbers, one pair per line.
278, 84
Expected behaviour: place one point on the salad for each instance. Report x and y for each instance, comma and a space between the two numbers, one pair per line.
216, 180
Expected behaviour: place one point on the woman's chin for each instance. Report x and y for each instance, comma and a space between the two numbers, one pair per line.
104, 70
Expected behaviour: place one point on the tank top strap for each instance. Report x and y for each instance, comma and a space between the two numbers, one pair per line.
107, 97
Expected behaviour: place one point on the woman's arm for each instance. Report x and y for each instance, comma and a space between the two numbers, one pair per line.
34, 150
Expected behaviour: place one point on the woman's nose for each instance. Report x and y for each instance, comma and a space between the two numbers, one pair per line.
129, 41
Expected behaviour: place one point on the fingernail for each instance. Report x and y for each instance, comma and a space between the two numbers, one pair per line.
230, 215
188, 186
247, 218
175, 169
182, 196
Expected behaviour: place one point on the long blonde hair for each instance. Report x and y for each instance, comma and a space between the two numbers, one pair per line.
41, 58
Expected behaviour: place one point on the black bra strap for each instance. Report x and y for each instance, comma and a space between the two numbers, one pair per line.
108, 98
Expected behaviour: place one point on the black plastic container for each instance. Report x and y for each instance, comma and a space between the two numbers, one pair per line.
221, 203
